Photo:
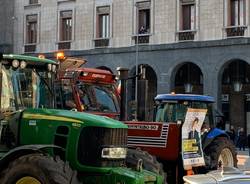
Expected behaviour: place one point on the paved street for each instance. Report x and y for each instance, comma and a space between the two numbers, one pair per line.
243, 160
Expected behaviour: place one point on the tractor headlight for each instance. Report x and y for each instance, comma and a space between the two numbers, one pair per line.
114, 153
49, 67
23, 64
15, 63
54, 68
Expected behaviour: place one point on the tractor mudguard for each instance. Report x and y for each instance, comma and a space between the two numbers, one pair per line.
211, 135
215, 132
20, 151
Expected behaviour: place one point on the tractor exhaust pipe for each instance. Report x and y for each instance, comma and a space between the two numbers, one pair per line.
123, 76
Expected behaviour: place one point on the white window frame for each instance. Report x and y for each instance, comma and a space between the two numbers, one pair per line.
25, 28
136, 16
179, 20
105, 32
227, 14
96, 6
58, 24
194, 23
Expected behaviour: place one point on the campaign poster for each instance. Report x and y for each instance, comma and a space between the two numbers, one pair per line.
192, 153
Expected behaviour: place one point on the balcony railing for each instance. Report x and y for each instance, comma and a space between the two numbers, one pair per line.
101, 42
30, 48
235, 31
186, 35
141, 38
64, 45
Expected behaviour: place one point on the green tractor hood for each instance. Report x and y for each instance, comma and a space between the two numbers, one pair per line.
72, 117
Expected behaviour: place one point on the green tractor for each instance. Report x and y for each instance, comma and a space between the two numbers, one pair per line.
41, 145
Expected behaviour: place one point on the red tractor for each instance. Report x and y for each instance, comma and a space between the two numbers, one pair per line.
95, 91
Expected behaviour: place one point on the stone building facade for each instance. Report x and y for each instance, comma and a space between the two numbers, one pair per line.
187, 46
6, 25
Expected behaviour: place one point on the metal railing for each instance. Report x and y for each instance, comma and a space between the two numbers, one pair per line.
101, 42
235, 31
64, 45
30, 48
186, 35
142, 38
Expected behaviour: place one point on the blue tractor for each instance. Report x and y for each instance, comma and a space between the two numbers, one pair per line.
217, 147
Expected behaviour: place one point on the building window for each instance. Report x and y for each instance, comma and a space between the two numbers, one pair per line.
66, 25
102, 26
31, 33
237, 12
143, 17
65, 32
187, 20
31, 29
33, 1
188, 17
103, 22
143, 22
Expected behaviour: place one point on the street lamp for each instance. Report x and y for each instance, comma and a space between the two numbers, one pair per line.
237, 84
188, 86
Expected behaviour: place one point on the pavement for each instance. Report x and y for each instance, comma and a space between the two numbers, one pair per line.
243, 159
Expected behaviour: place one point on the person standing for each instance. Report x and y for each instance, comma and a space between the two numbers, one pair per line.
242, 139
248, 143
231, 133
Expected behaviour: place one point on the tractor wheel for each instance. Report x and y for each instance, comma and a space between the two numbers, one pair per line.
221, 152
38, 169
149, 162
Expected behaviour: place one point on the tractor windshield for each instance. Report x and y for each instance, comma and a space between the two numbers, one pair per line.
173, 111
100, 98
24, 88
92, 97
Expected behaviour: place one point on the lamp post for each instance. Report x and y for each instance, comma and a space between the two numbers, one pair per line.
136, 64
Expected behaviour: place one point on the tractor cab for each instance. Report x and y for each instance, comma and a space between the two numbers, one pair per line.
25, 82
172, 108
88, 89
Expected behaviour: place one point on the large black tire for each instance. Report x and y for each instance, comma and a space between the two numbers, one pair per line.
38, 169
149, 162
220, 151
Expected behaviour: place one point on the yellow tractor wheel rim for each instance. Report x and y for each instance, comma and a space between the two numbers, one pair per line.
28, 180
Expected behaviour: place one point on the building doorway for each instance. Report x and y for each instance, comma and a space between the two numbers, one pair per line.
235, 98
188, 79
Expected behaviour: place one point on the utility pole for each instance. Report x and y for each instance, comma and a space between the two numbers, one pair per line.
136, 64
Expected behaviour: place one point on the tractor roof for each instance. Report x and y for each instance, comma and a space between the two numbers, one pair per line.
186, 97
92, 70
28, 58
89, 75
